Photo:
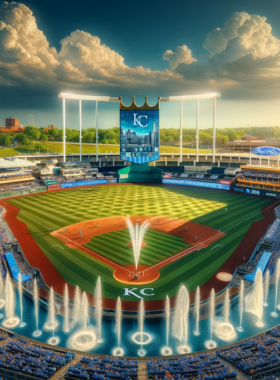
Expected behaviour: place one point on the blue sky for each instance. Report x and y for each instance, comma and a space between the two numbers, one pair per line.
146, 48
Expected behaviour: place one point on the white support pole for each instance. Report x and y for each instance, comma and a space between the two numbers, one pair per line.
268, 161
197, 130
214, 128
181, 131
80, 121
250, 159
96, 126
63, 129
278, 161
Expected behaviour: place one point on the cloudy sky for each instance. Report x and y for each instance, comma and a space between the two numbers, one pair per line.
148, 48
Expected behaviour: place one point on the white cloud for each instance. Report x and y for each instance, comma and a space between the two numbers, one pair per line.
26, 57
242, 34
243, 60
181, 55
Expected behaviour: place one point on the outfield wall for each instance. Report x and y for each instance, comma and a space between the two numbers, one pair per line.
16, 193
253, 191
210, 185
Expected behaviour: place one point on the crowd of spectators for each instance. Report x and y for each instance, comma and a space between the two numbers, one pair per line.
257, 354
204, 366
252, 264
277, 212
256, 174
98, 368
273, 233
20, 356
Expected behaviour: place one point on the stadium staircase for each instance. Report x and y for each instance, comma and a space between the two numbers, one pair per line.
142, 370
62, 371
240, 374
3, 342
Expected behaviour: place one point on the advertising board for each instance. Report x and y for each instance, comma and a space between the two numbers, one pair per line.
258, 192
83, 183
266, 151
209, 185
224, 182
139, 135
53, 187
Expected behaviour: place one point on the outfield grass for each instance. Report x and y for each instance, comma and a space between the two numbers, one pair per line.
114, 246
43, 211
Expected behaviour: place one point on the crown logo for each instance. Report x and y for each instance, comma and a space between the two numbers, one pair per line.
134, 106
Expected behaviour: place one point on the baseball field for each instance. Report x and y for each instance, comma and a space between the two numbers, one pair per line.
37, 216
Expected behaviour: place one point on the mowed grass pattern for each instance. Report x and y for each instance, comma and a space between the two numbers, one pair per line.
43, 211
159, 246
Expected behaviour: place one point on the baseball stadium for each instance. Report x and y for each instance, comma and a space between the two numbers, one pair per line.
146, 267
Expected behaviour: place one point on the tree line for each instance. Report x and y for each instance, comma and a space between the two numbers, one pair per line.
32, 134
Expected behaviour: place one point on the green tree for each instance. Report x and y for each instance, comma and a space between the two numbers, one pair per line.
55, 132
32, 132
205, 138
30, 145
110, 136
44, 137
25, 140
221, 139
8, 141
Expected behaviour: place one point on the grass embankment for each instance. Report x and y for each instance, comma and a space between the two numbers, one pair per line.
72, 148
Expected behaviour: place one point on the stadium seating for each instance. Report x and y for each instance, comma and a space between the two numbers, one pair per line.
255, 355
98, 368
20, 356
203, 366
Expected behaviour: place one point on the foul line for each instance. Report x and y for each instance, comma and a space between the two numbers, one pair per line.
78, 245
195, 248
58, 246
219, 245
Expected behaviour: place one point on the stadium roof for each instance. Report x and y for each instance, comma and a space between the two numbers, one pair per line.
14, 162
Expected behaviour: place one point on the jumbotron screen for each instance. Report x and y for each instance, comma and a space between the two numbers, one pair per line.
139, 139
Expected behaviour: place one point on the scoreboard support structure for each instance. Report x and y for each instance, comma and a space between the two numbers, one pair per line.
180, 99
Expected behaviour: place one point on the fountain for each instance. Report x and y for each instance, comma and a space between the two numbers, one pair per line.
224, 330
85, 310
22, 324
141, 337
241, 305
98, 308
51, 323
66, 310
277, 272
11, 320
137, 233
36, 309
77, 306
197, 310
85, 338
181, 320
210, 343
118, 351
167, 350
266, 287
254, 300
226, 305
